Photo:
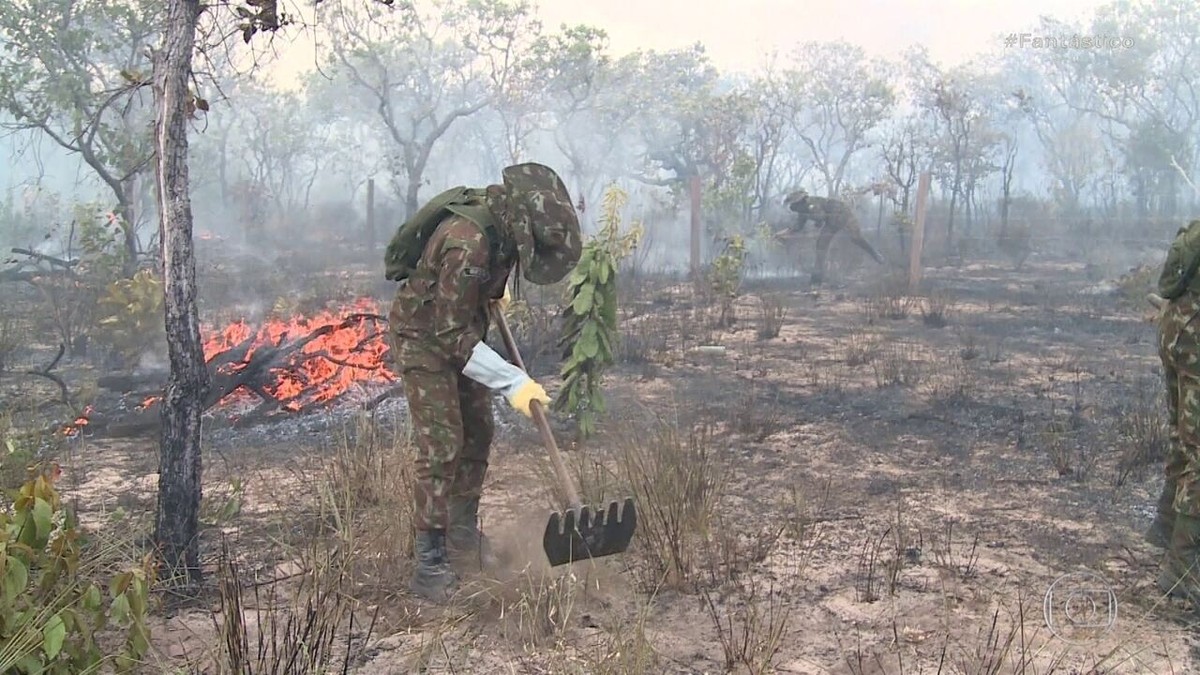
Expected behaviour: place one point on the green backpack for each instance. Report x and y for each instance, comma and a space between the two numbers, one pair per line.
405, 249
1183, 259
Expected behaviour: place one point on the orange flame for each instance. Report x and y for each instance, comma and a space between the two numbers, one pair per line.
72, 429
349, 354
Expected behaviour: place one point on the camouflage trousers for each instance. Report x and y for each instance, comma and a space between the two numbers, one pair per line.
453, 428
824, 240
1179, 350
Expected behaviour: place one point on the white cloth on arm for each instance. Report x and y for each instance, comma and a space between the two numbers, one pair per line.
494, 372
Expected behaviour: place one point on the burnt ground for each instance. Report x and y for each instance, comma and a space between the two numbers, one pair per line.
889, 485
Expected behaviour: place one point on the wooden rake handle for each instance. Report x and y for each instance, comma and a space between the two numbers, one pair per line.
539, 416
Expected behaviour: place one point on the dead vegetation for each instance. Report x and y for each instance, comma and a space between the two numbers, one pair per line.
678, 480
772, 312
936, 308
839, 468
889, 300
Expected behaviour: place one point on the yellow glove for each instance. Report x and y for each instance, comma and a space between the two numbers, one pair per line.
503, 302
527, 393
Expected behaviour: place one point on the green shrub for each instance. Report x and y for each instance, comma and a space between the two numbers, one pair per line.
131, 316
51, 609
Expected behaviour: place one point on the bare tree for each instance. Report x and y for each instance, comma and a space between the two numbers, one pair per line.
71, 70
419, 74
903, 152
583, 91
281, 149
839, 97
956, 102
768, 133
1009, 154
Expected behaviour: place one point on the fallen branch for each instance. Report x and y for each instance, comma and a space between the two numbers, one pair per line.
45, 373
17, 274
830, 519
57, 262
1183, 174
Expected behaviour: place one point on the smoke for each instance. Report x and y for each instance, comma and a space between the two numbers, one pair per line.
280, 178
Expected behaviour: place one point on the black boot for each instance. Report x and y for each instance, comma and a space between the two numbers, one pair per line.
433, 578
1159, 533
466, 541
1179, 575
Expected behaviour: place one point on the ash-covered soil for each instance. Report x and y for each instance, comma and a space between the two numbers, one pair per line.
901, 487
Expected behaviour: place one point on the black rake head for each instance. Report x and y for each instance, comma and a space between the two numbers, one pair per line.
580, 534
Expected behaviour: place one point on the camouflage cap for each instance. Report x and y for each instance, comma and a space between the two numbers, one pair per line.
794, 196
544, 222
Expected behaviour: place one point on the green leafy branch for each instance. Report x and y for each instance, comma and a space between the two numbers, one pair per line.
590, 333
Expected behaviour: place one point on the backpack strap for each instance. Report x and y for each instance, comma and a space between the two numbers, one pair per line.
481, 216
408, 243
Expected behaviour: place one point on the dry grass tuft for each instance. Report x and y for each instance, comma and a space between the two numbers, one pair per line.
888, 301
366, 501
772, 312
935, 309
309, 628
677, 480
751, 623
861, 348
899, 364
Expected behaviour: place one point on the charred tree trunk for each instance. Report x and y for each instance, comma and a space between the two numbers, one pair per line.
177, 519
371, 236
955, 191
1010, 157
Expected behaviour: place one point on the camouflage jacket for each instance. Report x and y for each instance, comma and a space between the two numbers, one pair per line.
441, 311
826, 213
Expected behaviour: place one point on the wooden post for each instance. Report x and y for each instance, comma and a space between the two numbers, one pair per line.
918, 235
371, 213
879, 220
696, 229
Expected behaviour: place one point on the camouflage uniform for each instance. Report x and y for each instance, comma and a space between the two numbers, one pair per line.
1173, 326
830, 216
1179, 505
440, 316
1179, 350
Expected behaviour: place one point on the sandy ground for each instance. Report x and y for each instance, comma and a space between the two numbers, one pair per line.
886, 495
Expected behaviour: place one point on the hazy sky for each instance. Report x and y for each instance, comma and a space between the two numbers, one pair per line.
739, 33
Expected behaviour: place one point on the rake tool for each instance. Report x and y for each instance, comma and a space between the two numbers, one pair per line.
579, 533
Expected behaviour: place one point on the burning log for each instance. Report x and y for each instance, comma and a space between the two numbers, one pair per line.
334, 354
